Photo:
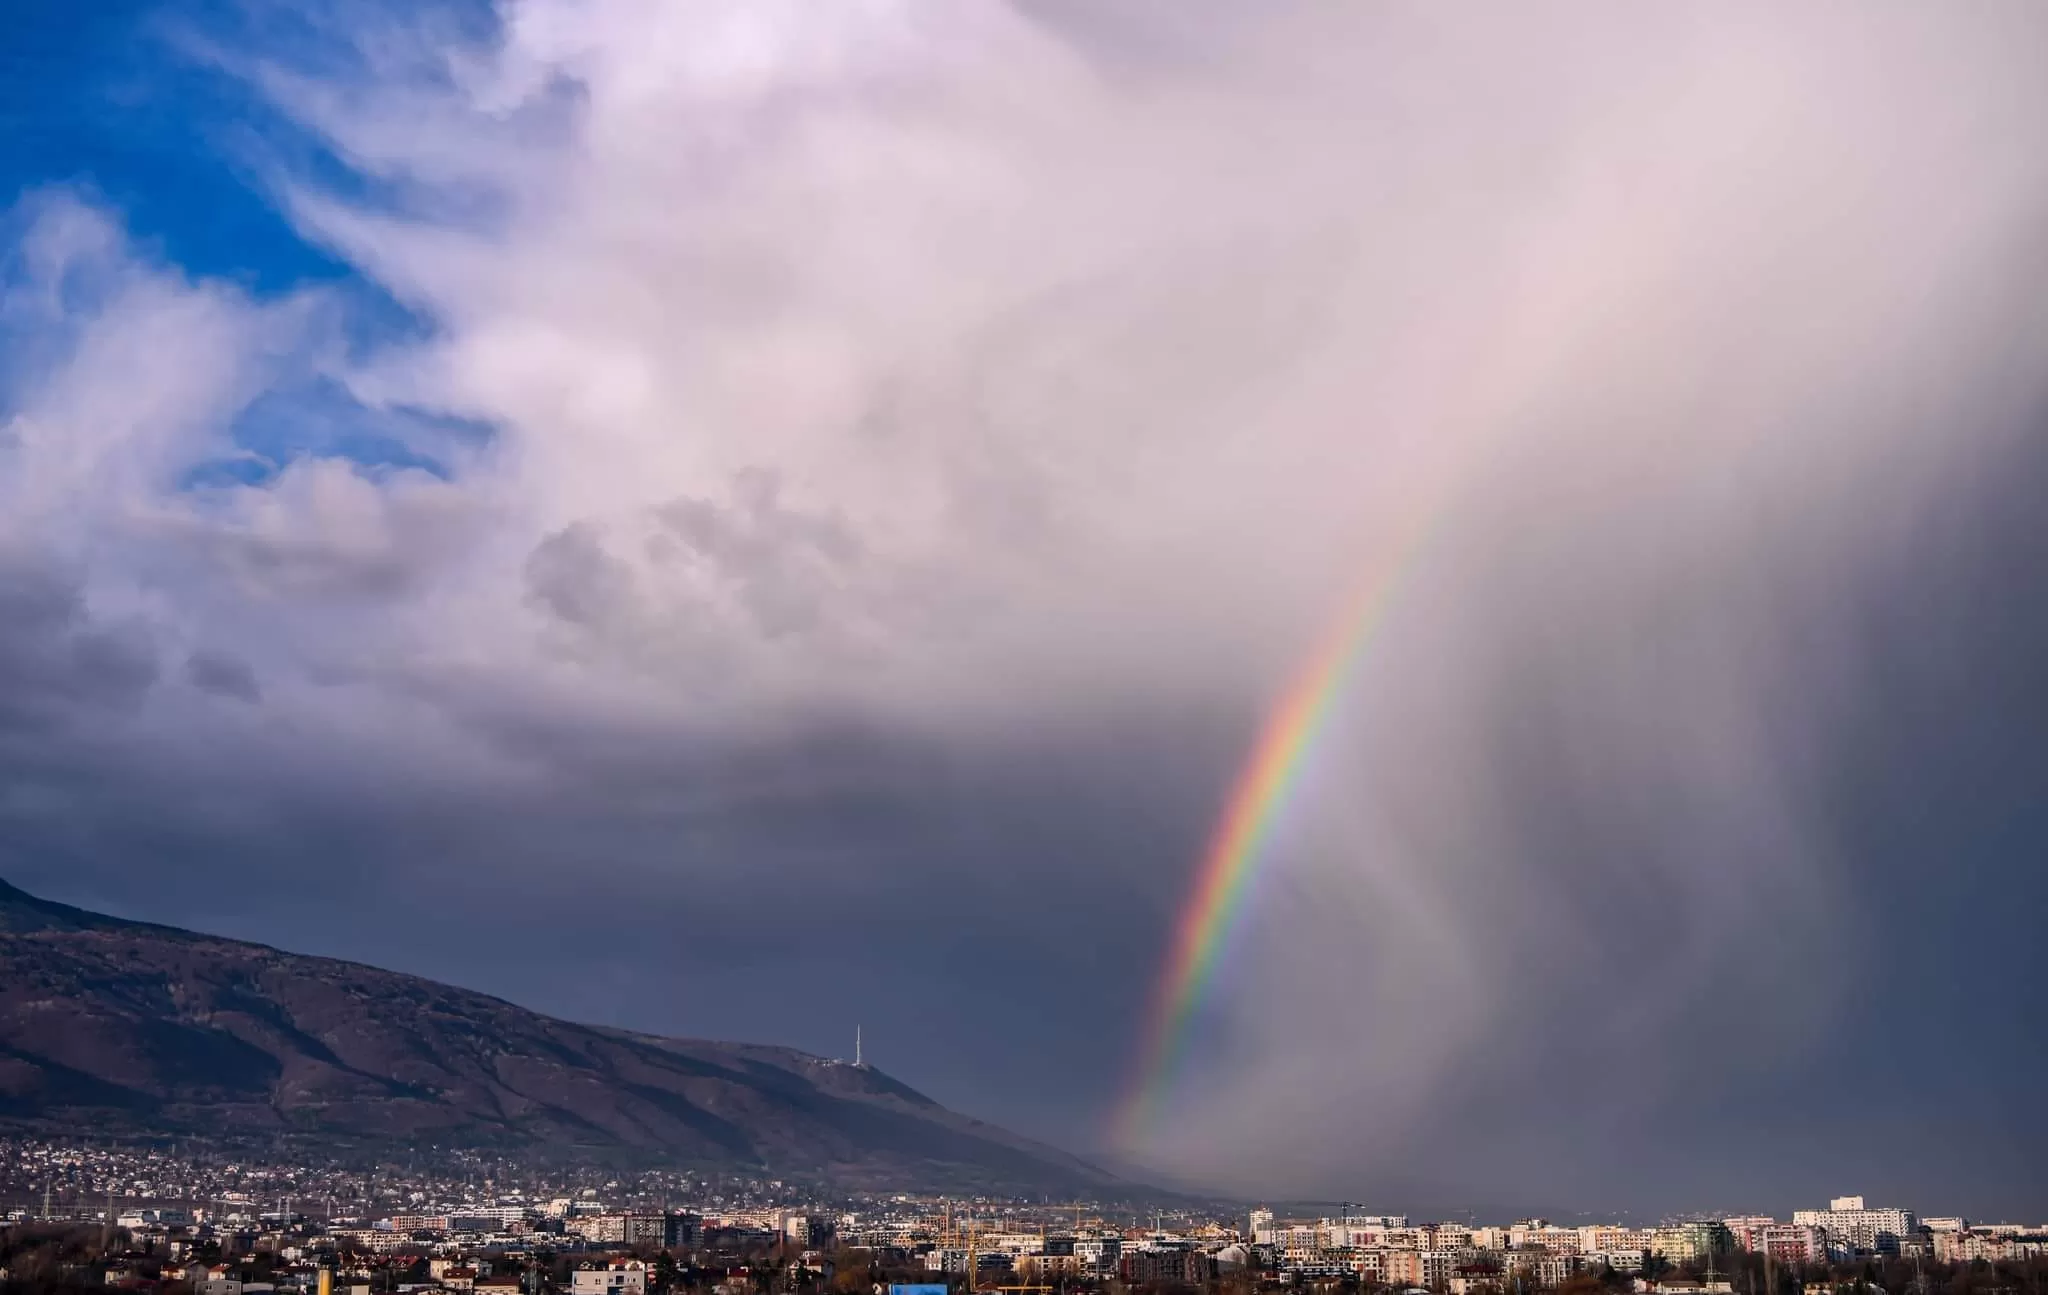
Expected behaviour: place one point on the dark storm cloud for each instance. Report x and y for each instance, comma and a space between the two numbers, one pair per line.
785, 894
54, 660
572, 576
779, 566
784, 562
223, 675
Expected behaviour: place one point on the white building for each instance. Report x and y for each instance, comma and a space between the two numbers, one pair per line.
1606, 1237
601, 1229
628, 1277
803, 1229
1558, 1241
1993, 1244
1621, 1261
1849, 1222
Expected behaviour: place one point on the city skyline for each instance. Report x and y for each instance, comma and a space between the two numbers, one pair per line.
1289, 600
484, 1185
480, 1210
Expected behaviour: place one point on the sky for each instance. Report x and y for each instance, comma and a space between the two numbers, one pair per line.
742, 520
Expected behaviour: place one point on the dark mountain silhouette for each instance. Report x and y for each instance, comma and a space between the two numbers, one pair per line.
110, 1026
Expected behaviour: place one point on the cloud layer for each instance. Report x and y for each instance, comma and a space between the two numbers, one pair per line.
862, 473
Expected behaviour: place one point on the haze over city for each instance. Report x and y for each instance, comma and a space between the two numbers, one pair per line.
1432, 605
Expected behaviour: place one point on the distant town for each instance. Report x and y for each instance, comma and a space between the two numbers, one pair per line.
179, 1219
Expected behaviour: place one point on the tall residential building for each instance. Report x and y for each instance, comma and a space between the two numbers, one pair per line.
1541, 1268
1792, 1243
1437, 1267
1402, 1267
1848, 1221
803, 1229
1175, 1264
1098, 1254
1605, 1237
1429, 1268
599, 1229
1687, 1242
644, 1228
684, 1230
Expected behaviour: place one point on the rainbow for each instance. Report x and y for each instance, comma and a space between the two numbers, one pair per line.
1265, 787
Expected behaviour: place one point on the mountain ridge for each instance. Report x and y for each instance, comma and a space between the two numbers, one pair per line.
134, 1027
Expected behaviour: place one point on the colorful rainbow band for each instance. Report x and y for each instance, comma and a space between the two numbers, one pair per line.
1264, 788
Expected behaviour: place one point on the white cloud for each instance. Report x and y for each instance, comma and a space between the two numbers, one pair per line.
956, 370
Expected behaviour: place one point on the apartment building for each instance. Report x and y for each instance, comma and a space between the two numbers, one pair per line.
623, 1277
1848, 1221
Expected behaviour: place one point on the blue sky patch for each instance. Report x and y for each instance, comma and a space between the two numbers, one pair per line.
321, 419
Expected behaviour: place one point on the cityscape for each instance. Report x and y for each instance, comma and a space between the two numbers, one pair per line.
1023, 647
180, 1219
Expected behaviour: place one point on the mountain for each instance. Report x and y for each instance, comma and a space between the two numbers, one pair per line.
121, 1027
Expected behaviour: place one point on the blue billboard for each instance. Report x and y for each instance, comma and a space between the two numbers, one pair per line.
921, 1288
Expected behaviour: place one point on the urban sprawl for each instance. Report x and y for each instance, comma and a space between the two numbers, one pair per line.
175, 1220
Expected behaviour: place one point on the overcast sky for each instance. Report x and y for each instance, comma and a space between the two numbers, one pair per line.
739, 520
